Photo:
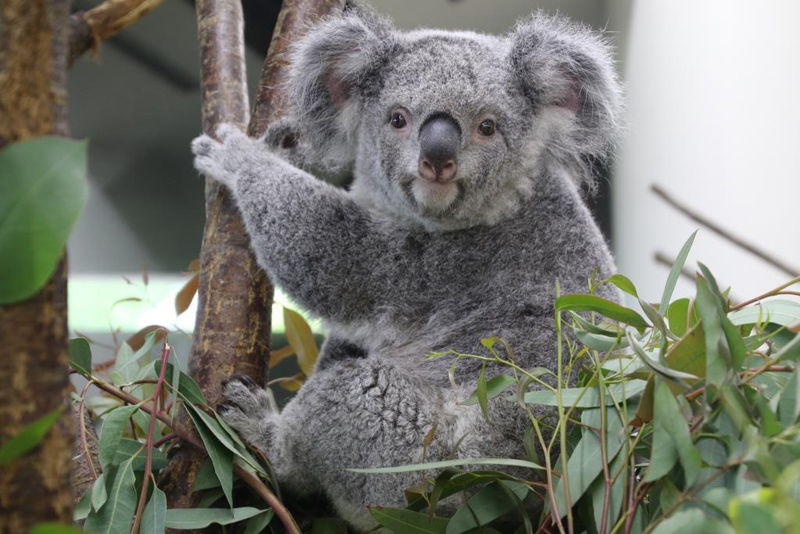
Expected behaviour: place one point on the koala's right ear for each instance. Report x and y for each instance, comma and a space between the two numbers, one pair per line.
334, 67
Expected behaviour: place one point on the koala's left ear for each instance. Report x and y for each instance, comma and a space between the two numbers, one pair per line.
334, 67
567, 65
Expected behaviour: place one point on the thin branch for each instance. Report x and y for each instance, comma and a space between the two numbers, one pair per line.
148, 464
90, 28
738, 241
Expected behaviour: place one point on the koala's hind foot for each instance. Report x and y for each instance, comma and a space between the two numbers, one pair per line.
247, 410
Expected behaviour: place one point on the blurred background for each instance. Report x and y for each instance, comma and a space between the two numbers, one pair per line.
713, 119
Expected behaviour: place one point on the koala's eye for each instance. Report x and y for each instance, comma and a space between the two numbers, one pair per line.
398, 121
487, 128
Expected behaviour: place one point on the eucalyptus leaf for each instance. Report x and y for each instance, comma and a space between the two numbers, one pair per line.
778, 311
191, 518
586, 461
494, 387
155, 514
117, 513
42, 193
408, 521
675, 271
490, 503
448, 463
114, 423
29, 437
80, 355
588, 397
668, 414
98, 492
187, 387
592, 303
221, 457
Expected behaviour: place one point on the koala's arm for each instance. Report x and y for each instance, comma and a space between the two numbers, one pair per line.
316, 243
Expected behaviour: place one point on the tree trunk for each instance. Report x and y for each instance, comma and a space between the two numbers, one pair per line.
34, 364
232, 332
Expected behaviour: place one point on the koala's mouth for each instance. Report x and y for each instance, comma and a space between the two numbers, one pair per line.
435, 196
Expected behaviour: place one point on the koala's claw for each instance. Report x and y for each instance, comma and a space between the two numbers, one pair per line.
246, 409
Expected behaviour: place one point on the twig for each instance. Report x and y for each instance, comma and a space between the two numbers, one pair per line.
738, 241
148, 464
165, 439
82, 430
89, 28
777, 291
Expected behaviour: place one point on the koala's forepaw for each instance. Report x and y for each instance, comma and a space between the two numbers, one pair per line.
247, 410
208, 159
221, 159
282, 138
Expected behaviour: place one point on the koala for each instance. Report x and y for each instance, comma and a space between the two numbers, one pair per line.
470, 155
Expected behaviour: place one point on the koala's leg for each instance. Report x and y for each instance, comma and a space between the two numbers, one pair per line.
356, 413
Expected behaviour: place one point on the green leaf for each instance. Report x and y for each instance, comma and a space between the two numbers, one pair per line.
480, 393
692, 522
83, 507
257, 524
448, 463
155, 514
407, 521
688, 355
189, 518
301, 339
663, 455
617, 497
206, 478
612, 310
586, 461
99, 493
678, 316
624, 283
608, 330
790, 351
80, 355
54, 528
675, 272
778, 311
187, 387
678, 376
220, 455
789, 403
601, 342
668, 414
494, 387
591, 395
116, 515
716, 344
490, 503
114, 424
42, 193
29, 437
129, 447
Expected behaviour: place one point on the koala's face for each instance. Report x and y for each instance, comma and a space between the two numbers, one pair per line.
451, 129
443, 138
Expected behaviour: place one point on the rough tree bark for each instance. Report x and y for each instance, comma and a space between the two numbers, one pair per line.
36, 486
89, 28
232, 331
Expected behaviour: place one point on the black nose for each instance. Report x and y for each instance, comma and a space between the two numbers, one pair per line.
439, 139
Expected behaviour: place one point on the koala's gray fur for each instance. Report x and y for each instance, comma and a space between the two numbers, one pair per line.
397, 269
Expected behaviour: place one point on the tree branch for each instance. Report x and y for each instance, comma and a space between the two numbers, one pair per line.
725, 234
90, 28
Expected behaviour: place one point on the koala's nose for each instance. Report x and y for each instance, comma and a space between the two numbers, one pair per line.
439, 139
